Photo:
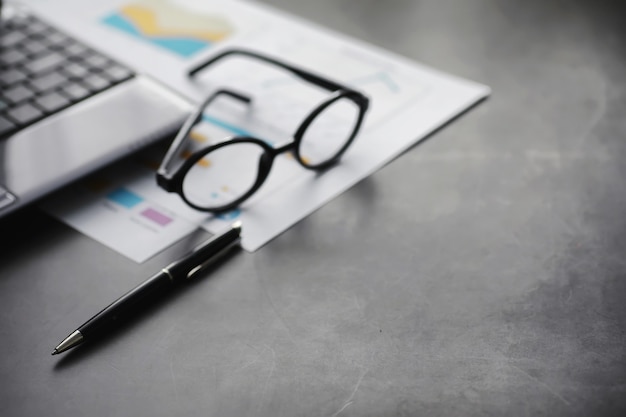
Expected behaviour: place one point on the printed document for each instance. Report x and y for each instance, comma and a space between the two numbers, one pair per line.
123, 207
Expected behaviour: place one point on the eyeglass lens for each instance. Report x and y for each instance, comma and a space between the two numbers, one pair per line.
329, 131
227, 173
223, 176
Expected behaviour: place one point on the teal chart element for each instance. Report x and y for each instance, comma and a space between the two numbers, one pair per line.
169, 26
184, 47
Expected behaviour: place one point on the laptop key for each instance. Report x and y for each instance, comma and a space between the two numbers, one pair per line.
20, 21
10, 77
57, 40
96, 62
6, 126
76, 49
25, 114
34, 47
47, 82
116, 73
12, 38
52, 102
36, 28
45, 63
96, 83
76, 70
18, 94
10, 57
75, 92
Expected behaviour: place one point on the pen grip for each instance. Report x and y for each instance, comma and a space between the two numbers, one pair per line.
128, 304
201, 254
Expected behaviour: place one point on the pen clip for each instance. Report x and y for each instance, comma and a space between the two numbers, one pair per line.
219, 255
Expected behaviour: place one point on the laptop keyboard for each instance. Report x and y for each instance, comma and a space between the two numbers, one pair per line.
43, 71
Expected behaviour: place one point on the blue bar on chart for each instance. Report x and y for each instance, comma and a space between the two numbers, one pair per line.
124, 197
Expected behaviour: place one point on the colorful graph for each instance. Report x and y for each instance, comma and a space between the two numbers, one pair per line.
129, 200
170, 27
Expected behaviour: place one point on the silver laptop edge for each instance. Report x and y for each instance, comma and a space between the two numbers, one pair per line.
85, 137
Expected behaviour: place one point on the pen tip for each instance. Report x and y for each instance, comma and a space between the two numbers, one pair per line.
236, 225
69, 342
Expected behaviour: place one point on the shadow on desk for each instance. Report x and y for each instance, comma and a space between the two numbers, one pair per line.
26, 231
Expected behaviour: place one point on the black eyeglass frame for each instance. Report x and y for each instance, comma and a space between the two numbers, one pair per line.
173, 182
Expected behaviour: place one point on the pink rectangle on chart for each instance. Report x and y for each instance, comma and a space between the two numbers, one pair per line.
156, 217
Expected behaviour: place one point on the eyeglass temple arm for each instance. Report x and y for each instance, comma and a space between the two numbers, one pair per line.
305, 75
188, 125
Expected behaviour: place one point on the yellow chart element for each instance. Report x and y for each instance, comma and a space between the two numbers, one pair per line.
198, 137
150, 23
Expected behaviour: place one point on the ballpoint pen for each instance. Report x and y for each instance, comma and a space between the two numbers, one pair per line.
154, 287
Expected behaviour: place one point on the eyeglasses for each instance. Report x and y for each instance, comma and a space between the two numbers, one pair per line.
222, 176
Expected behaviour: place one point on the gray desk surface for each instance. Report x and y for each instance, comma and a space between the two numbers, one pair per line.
481, 273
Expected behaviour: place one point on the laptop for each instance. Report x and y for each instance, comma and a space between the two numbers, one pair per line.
66, 109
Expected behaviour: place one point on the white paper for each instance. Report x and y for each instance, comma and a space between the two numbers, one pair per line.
408, 101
